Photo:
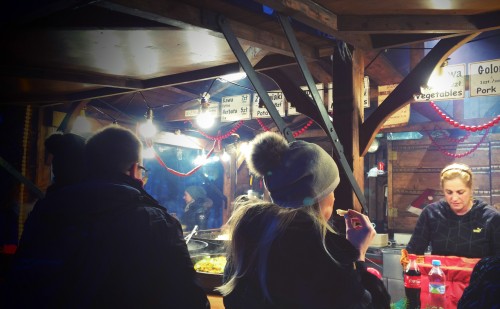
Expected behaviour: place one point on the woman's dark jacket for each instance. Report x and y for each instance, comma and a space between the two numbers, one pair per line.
103, 243
301, 275
475, 234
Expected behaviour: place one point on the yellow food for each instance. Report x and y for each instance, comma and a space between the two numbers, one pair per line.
213, 265
341, 212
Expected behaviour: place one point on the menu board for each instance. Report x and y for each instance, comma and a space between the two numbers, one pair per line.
278, 100
399, 118
235, 108
292, 110
484, 78
447, 83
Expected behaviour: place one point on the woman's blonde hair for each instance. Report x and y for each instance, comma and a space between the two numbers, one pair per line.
457, 170
253, 227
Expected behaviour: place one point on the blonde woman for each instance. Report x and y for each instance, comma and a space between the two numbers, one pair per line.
283, 254
459, 224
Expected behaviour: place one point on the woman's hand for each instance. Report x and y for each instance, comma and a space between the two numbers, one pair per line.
360, 231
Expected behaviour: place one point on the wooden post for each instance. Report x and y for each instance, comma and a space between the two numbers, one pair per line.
347, 117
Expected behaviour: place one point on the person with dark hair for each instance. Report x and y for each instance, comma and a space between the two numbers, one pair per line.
284, 254
459, 224
65, 153
104, 242
197, 207
483, 291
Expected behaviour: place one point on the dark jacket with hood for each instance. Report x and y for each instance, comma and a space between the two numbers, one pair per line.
300, 274
475, 234
103, 243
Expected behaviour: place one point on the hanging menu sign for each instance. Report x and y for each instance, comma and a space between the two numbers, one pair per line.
449, 84
484, 78
292, 110
329, 98
235, 108
366, 92
401, 116
261, 112
213, 109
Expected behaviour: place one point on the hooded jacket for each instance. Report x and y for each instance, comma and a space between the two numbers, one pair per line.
103, 243
475, 234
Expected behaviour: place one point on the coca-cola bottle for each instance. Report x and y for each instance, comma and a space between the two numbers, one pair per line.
412, 284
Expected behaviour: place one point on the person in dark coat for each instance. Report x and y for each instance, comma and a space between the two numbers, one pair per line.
197, 208
104, 242
284, 254
65, 153
459, 224
484, 287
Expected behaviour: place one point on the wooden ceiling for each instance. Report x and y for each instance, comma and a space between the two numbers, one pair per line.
123, 55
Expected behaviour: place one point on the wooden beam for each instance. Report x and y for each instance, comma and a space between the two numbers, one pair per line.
186, 16
317, 17
416, 24
72, 76
407, 88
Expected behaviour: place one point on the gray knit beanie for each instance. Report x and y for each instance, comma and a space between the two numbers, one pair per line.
295, 174
196, 192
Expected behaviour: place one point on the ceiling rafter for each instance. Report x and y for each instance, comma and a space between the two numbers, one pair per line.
417, 24
189, 17
317, 17
72, 76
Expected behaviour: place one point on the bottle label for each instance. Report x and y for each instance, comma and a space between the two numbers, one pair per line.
412, 282
437, 288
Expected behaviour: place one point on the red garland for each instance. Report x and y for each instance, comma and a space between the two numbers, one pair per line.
191, 172
460, 155
456, 124
295, 134
221, 137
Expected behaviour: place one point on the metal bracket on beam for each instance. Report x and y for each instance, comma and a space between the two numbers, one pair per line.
327, 124
254, 79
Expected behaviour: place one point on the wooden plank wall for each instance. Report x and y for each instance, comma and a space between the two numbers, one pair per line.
414, 166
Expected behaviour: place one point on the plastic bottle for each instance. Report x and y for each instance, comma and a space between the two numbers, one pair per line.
437, 286
412, 284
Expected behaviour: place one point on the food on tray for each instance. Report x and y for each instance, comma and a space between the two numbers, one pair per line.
341, 212
211, 264
222, 237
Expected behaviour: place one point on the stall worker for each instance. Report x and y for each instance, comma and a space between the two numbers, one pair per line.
459, 224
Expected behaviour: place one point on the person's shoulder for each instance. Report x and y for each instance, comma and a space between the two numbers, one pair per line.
485, 208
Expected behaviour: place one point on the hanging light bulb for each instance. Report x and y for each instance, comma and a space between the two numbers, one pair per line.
148, 129
374, 146
225, 157
205, 120
82, 124
439, 80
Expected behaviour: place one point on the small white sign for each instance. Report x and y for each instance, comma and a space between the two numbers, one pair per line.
292, 110
235, 108
329, 97
278, 100
401, 116
449, 84
213, 109
484, 78
366, 92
